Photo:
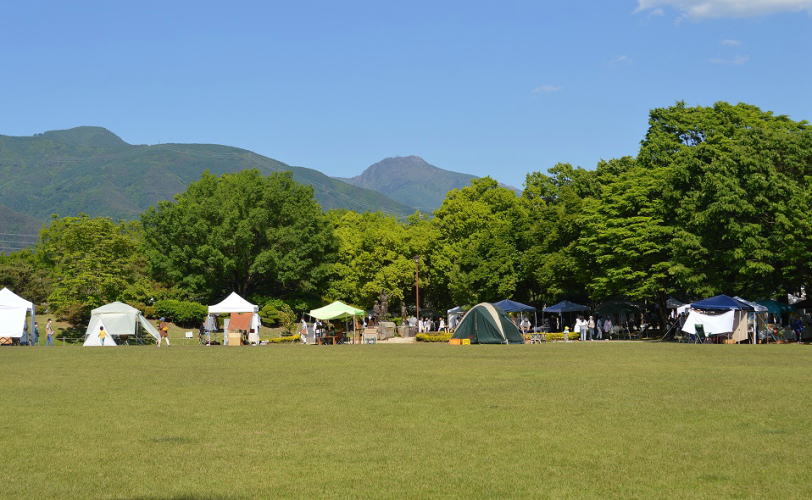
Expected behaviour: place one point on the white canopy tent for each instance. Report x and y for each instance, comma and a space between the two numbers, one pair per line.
118, 319
13, 310
92, 339
236, 304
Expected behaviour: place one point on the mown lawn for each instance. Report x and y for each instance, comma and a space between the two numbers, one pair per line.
583, 420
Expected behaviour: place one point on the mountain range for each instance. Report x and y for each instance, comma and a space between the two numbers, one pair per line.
92, 170
411, 180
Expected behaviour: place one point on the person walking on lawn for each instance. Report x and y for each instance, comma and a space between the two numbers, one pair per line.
163, 332
49, 333
102, 334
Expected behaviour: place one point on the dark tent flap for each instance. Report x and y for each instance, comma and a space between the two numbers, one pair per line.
721, 303
486, 324
512, 306
566, 306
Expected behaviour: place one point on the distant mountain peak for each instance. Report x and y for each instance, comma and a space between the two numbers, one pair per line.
87, 136
411, 180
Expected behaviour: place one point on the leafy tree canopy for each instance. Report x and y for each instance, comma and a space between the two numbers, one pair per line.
244, 232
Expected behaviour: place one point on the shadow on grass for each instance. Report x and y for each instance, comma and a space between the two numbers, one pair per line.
182, 497
172, 440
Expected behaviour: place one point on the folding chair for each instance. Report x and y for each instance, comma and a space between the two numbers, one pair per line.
701, 337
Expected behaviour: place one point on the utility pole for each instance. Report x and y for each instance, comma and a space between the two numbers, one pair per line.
417, 286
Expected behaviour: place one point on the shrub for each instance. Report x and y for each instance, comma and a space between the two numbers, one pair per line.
284, 340
188, 314
556, 336
433, 337
276, 313
149, 312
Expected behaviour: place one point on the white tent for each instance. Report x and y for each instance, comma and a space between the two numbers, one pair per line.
13, 310
93, 339
118, 319
454, 316
236, 304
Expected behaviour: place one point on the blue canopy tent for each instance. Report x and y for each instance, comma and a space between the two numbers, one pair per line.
508, 305
721, 303
565, 306
724, 303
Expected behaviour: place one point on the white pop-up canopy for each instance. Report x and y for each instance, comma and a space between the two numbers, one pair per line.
118, 319
236, 304
233, 304
13, 310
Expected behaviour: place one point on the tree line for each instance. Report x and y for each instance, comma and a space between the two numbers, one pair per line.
717, 200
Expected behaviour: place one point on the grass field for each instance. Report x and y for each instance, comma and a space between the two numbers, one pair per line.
583, 420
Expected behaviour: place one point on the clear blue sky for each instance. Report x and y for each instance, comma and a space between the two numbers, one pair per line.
489, 88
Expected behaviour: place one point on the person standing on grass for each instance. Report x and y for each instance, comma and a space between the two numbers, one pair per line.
442, 325
303, 331
163, 332
607, 326
102, 335
590, 325
525, 325
35, 338
580, 327
49, 333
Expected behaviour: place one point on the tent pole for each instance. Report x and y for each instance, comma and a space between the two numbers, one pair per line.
561, 325
33, 320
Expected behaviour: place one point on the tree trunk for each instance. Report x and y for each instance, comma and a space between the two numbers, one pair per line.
662, 312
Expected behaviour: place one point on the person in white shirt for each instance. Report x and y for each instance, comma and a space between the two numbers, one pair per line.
442, 325
303, 332
580, 327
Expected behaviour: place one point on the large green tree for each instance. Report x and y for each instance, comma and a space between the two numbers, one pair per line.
23, 273
556, 204
91, 261
738, 183
481, 234
244, 232
716, 202
373, 256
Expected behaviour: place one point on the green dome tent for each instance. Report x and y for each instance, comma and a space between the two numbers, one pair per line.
487, 324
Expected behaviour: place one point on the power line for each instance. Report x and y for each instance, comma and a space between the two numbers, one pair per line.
24, 235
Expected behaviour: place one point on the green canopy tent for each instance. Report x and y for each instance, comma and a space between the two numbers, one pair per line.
336, 310
487, 324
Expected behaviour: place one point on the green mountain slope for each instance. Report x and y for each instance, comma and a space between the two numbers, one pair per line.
411, 180
20, 225
91, 170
